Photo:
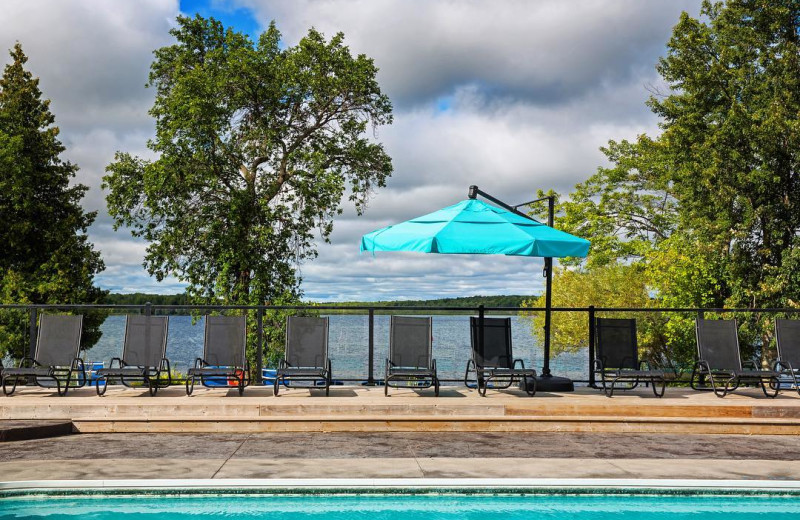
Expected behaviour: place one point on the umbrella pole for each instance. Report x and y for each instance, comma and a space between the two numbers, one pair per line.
548, 306
547, 382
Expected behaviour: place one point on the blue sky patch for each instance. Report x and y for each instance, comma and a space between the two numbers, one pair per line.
240, 18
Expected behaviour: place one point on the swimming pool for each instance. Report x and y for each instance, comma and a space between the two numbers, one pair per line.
384, 504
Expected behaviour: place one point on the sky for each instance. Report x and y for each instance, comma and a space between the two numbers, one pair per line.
511, 95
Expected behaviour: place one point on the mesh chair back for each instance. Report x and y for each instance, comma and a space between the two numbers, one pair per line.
145, 340
58, 341
616, 343
225, 340
306, 342
410, 341
496, 352
787, 336
718, 344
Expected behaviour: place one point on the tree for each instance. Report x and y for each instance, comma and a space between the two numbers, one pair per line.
612, 285
47, 257
711, 206
256, 146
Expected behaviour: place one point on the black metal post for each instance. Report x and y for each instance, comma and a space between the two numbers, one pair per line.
371, 343
592, 333
260, 346
548, 299
33, 334
481, 330
148, 309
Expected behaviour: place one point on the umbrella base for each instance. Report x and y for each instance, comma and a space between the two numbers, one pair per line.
554, 384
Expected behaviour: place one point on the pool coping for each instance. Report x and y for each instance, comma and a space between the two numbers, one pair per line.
12, 489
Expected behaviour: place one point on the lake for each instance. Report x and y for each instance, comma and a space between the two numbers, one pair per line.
348, 345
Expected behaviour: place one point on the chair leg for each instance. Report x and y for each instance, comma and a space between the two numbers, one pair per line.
774, 383
97, 385
530, 389
276, 385
240, 380
189, 385
435, 386
655, 388
14, 387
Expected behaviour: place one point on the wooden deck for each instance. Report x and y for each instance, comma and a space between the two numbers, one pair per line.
365, 409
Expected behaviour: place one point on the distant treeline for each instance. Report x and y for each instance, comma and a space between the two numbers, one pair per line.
467, 301
512, 300
142, 298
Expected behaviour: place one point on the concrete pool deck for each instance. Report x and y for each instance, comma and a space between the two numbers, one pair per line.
365, 409
443, 455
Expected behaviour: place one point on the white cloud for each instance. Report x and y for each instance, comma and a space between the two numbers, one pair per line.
511, 95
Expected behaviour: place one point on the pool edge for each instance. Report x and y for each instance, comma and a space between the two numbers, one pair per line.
11, 489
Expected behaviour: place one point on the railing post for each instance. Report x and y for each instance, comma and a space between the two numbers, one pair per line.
32, 328
148, 309
260, 346
591, 346
371, 344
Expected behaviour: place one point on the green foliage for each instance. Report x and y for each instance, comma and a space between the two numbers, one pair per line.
47, 257
256, 147
709, 210
143, 298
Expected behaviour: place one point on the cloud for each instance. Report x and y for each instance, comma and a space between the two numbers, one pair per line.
511, 95
548, 51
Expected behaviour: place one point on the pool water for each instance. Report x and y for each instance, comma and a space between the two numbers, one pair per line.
384, 507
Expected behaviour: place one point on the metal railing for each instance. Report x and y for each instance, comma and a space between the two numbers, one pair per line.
591, 311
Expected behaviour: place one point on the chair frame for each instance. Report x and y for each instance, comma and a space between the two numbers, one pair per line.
748, 372
55, 373
626, 376
425, 375
782, 365
286, 373
201, 369
149, 375
506, 375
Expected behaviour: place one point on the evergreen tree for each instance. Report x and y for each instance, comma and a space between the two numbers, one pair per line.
47, 257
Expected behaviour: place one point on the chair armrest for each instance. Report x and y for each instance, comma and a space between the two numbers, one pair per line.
780, 366
598, 365
750, 364
521, 364
433, 365
31, 362
200, 363
119, 362
646, 364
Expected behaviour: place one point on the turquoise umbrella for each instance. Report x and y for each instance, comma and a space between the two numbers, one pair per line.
477, 228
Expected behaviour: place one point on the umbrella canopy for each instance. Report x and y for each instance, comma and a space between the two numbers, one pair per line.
475, 227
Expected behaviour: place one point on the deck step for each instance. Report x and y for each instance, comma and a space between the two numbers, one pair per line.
427, 423
33, 429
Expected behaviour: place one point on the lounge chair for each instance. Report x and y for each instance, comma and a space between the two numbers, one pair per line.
720, 358
494, 363
411, 354
787, 337
58, 344
223, 354
617, 358
143, 355
306, 355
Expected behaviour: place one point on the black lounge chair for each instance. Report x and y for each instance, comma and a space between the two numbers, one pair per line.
720, 358
306, 354
787, 338
143, 355
494, 363
223, 354
58, 344
411, 354
617, 358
